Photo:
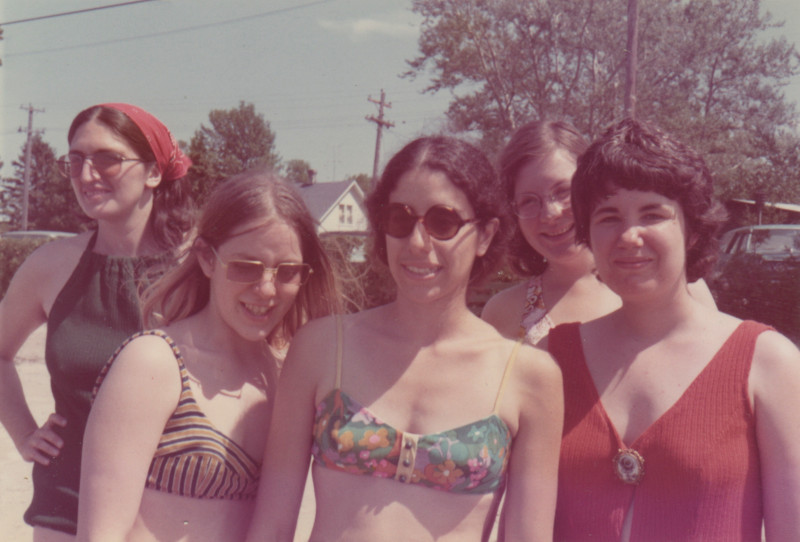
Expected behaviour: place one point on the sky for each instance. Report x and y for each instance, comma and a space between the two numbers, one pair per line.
310, 68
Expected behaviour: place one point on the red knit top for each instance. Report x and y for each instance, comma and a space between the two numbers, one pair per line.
701, 477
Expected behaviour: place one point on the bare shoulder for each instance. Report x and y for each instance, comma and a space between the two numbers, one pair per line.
149, 356
144, 378
66, 250
504, 309
536, 368
311, 360
535, 393
536, 377
775, 357
314, 334
33, 290
50, 265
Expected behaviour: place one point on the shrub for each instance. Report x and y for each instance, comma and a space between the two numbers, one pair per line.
12, 253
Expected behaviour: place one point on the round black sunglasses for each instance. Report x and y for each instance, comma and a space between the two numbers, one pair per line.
441, 222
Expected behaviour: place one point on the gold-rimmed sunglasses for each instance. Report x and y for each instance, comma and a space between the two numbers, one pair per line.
249, 271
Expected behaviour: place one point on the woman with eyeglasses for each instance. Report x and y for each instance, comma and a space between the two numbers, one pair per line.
174, 440
417, 413
127, 173
536, 167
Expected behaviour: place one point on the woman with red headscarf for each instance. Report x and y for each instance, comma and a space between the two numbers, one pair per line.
127, 173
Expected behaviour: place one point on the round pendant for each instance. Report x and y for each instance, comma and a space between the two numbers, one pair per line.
629, 466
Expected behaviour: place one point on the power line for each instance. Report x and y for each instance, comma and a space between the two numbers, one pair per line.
29, 19
170, 32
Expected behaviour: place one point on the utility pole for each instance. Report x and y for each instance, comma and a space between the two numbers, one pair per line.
633, 54
26, 184
381, 125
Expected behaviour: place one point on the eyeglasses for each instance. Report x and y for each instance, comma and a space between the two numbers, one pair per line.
248, 271
531, 205
105, 163
441, 222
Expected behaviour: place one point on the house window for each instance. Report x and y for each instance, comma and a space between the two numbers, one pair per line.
341, 213
349, 214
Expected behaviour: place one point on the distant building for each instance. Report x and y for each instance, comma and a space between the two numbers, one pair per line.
337, 206
782, 213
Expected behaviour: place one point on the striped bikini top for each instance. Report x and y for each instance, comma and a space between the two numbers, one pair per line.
470, 459
194, 459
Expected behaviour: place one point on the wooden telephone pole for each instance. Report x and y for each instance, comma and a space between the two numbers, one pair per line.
632, 58
381, 125
26, 183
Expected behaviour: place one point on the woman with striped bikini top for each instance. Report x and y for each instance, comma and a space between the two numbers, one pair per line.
409, 409
180, 415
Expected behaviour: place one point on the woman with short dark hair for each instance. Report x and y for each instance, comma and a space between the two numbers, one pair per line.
680, 420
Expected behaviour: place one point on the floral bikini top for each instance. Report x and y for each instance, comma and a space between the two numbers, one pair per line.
535, 324
471, 459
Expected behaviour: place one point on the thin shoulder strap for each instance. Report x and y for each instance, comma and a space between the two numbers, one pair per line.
339, 334
509, 365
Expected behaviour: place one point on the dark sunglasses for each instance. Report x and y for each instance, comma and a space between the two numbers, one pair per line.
441, 222
105, 163
248, 271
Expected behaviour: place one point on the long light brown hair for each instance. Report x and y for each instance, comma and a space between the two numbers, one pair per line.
253, 195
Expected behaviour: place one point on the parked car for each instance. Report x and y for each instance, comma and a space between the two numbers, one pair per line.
46, 235
757, 276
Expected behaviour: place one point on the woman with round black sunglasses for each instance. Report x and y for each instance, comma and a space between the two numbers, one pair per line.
441, 222
410, 409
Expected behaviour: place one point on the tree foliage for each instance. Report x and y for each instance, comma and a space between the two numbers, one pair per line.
237, 139
299, 171
706, 72
51, 201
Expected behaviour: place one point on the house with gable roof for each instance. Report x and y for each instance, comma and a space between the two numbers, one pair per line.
337, 206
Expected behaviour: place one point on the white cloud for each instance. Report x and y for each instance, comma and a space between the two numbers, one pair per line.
359, 29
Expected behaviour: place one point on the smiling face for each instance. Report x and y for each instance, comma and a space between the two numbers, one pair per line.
253, 310
552, 232
423, 267
125, 196
639, 243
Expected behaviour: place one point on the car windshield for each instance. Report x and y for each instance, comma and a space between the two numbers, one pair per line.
757, 276
775, 242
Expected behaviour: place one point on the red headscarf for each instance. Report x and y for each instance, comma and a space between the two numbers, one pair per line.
169, 157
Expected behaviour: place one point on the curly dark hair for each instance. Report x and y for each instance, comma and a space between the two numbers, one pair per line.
634, 155
469, 170
532, 142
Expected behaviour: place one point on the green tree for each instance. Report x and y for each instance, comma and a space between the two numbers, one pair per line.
299, 171
706, 71
237, 139
51, 201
